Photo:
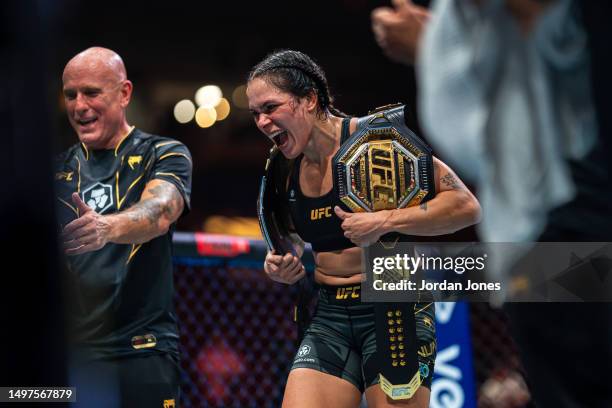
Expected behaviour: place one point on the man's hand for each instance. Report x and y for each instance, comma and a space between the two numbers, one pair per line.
363, 229
87, 233
159, 207
284, 268
398, 30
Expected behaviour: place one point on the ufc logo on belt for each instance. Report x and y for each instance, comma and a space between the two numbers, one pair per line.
319, 213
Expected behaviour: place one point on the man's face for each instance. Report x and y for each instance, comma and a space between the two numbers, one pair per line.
95, 99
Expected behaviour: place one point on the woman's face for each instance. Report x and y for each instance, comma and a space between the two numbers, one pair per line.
285, 119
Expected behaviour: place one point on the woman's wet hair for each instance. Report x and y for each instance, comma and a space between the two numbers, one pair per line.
296, 73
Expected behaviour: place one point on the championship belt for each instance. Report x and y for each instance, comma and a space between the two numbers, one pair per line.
276, 227
274, 218
383, 165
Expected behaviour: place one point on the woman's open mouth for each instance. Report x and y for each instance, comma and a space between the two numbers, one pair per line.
280, 138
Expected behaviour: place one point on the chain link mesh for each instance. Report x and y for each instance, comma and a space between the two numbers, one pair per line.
238, 337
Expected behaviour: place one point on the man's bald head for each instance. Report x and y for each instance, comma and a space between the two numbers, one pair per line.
97, 93
98, 59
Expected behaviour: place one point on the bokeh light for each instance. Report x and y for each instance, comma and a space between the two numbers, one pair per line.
223, 109
208, 96
184, 111
205, 117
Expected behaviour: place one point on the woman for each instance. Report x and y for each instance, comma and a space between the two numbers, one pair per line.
291, 104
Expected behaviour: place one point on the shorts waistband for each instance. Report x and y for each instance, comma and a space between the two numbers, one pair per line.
341, 295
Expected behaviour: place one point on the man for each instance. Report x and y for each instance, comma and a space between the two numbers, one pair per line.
398, 30
119, 193
522, 87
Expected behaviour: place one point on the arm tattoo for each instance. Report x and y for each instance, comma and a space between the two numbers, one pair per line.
144, 210
164, 201
450, 180
170, 198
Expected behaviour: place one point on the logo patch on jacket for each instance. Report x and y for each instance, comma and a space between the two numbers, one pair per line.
98, 197
134, 160
64, 175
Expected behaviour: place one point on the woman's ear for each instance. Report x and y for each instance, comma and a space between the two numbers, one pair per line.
311, 101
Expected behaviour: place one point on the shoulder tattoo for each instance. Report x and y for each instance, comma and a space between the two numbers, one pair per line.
450, 181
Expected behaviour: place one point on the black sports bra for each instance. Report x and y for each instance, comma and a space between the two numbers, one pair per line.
314, 218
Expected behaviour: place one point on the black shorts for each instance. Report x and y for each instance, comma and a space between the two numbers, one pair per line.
341, 338
151, 380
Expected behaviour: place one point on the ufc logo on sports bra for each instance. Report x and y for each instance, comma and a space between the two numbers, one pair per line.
319, 213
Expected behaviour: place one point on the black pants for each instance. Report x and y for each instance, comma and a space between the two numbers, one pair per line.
566, 347
145, 381
567, 352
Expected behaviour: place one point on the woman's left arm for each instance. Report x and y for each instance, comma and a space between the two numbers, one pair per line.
454, 207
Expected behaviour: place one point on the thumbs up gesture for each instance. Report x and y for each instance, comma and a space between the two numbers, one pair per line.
363, 229
398, 29
87, 233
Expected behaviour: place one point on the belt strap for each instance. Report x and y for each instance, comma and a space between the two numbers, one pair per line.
396, 343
